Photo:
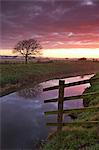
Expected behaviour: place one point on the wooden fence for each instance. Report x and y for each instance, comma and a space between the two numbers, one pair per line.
61, 100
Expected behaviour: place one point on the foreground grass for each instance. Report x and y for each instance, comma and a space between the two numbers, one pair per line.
75, 139
84, 137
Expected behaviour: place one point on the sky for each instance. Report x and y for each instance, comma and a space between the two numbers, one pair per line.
65, 28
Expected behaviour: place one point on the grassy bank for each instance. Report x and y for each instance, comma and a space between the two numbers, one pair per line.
84, 137
16, 75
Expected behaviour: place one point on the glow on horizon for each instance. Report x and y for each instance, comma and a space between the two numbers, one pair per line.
63, 53
72, 53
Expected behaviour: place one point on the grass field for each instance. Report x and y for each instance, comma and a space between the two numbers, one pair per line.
14, 75
84, 137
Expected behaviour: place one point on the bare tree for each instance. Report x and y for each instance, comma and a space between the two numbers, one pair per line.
27, 48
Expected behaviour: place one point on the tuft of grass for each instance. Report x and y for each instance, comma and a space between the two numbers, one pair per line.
74, 139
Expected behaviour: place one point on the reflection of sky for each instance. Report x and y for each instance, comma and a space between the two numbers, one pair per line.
67, 80
68, 91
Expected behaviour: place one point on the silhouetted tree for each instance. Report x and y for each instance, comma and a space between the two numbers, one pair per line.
27, 48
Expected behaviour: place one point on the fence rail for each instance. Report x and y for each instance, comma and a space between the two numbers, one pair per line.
68, 111
61, 100
73, 123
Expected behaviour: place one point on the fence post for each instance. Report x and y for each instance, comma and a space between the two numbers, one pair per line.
60, 105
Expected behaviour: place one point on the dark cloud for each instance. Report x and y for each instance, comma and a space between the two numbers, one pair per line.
53, 22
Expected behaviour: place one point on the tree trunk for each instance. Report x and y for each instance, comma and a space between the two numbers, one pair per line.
26, 59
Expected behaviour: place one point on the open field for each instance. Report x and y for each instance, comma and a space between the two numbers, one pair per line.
16, 75
79, 137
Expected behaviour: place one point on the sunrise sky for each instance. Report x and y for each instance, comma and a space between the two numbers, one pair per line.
65, 28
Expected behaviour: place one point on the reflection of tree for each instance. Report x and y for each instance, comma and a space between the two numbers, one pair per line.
30, 92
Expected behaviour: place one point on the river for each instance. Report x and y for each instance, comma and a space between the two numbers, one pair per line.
23, 123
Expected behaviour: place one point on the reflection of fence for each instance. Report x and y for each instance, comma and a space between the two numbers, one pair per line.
61, 100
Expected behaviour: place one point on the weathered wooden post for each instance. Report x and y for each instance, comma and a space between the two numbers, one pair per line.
60, 105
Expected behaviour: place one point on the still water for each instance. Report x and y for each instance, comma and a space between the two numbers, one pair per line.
23, 123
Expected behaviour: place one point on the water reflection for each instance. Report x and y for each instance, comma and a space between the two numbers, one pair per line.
31, 92
36, 90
